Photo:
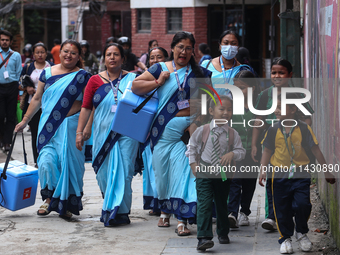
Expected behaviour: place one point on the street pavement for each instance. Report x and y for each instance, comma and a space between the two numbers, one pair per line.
23, 232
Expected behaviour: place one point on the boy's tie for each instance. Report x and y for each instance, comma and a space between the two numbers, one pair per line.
215, 157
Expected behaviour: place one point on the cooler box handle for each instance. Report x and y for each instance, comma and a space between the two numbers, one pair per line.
3, 174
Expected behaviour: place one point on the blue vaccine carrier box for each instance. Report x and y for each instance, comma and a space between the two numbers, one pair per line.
20, 188
134, 125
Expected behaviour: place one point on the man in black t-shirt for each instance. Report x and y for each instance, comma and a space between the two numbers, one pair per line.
131, 59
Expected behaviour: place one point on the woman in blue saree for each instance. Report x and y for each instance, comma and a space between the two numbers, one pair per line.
113, 154
174, 183
225, 67
150, 196
60, 164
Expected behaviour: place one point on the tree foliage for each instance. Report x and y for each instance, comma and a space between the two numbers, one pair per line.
8, 19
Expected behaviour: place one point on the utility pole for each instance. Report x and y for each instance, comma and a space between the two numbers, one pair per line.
79, 20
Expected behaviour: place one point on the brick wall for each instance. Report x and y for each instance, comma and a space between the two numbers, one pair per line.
194, 20
106, 26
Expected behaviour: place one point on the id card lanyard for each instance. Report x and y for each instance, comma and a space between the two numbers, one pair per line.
223, 174
182, 104
292, 165
115, 90
6, 75
226, 80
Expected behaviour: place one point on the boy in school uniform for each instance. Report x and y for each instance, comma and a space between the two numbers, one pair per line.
212, 146
287, 147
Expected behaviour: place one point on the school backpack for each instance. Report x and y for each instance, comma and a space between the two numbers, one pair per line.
205, 135
304, 129
304, 143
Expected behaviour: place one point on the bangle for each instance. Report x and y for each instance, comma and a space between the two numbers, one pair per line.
157, 82
78, 133
29, 118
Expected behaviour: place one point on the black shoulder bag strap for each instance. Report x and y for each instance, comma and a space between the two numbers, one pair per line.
3, 174
8, 56
141, 105
208, 63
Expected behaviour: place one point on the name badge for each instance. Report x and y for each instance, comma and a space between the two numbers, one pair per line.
291, 171
6, 74
183, 104
113, 108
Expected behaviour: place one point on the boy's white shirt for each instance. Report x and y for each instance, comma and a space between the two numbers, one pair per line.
195, 143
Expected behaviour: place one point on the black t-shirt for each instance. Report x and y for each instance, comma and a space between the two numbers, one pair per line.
130, 63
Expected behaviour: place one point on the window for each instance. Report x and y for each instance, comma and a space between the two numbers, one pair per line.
144, 21
174, 20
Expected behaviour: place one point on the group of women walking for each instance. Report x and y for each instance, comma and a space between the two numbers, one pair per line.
76, 106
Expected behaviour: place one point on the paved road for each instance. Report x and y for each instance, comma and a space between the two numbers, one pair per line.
23, 232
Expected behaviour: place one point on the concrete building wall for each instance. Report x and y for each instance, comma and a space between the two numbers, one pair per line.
194, 20
322, 60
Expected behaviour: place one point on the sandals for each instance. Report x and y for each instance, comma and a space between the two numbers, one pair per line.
68, 215
182, 232
164, 223
44, 207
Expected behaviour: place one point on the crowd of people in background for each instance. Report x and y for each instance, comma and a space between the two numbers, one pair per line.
70, 100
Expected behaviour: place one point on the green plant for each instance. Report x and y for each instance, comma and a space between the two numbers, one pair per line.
8, 20
35, 24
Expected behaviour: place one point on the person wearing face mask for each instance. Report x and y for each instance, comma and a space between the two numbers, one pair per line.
131, 59
225, 67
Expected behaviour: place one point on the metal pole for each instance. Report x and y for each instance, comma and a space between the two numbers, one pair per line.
243, 18
272, 32
223, 15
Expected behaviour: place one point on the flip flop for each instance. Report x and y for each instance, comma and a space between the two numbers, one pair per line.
165, 224
44, 207
181, 232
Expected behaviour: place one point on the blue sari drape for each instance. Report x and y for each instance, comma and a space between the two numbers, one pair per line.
217, 76
174, 181
150, 196
114, 157
60, 163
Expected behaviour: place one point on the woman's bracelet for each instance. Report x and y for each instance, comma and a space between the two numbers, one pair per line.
157, 82
78, 133
29, 118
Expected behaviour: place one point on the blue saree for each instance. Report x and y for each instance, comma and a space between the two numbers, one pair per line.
150, 196
61, 164
217, 76
114, 156
174, 182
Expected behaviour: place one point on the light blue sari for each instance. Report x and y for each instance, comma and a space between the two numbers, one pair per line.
174, 181
217, 76
115, 174
61, 164
150, 196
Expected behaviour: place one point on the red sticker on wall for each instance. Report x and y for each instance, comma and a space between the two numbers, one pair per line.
27, 193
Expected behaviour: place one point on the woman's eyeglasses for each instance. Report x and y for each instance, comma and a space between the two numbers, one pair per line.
181, 48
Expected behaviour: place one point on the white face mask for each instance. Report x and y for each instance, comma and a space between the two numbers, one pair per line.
228, 51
